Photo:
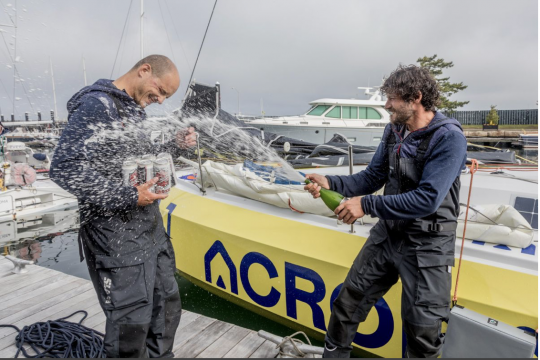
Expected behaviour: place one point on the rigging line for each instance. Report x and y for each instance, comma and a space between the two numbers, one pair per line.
166, 32
11, 58
202, 43
176, 31
124, 46
7, 93
7, 47
24, 88
7, 13
121, 37
9, 54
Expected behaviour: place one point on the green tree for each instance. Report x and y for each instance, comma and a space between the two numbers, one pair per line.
492, 118
436, 67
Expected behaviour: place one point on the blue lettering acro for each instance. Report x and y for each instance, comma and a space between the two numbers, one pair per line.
293, 295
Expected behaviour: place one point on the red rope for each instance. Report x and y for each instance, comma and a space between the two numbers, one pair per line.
473, 168
293, 209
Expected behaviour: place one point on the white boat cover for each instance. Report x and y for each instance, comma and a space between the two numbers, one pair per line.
498, 224
237, 180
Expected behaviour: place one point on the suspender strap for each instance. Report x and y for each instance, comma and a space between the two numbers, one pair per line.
433, 226
119, 105
422, 148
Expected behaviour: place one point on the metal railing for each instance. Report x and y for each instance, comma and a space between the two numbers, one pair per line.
506, 117
473, 117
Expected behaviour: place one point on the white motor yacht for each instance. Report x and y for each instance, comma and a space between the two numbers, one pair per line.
361, 121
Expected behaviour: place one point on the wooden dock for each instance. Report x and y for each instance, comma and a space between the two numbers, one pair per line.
43, 294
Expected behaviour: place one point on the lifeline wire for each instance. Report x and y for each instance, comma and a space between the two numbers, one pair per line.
59, 339
121, 37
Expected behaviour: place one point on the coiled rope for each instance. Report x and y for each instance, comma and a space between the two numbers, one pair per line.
59, 339
295, 343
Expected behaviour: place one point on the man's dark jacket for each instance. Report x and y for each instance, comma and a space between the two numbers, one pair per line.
444, 159
105, 126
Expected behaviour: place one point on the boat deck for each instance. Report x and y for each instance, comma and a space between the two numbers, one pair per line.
43, 294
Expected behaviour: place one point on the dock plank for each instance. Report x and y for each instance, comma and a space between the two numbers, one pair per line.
246, 347
225, 343
44, 294
36, 294
65, 308
42, 306
9, 352
10, 277
39, 316
189, 332
204, 339
21, 287
38, 302
186, 319
101, 327
95, 320
267, 350
7, 266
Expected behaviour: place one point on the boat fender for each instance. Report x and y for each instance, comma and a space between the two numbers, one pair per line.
40, 157
21, 175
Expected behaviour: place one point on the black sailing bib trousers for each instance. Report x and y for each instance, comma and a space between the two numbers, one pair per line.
419, 251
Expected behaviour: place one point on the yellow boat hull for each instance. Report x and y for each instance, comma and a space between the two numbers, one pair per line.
291, 271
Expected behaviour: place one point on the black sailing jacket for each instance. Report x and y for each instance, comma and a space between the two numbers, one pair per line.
88, 163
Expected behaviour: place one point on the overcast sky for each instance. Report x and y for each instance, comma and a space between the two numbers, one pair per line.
281, 53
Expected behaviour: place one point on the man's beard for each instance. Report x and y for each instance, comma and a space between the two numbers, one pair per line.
401, 116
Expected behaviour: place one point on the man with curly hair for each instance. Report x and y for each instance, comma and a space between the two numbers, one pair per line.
419, 162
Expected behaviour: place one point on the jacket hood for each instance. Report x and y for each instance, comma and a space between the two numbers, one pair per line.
438, 120
101, 86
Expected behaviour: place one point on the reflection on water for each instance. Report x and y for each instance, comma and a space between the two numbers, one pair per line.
530, 154
55, 251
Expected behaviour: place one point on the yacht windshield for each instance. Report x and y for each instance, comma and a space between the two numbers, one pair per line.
318, 110
335, 113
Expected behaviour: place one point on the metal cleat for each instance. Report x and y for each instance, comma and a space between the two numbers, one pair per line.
19, 264
289, 347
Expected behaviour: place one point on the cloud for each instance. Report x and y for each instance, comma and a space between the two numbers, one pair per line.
283, 53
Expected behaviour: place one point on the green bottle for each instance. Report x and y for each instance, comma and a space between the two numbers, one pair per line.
331, 198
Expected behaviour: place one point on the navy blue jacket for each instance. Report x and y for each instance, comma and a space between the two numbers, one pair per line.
90, 167
445, 158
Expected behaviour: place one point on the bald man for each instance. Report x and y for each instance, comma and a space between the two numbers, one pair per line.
128, 253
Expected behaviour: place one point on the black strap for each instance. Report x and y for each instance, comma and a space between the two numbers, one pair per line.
422, 148
391, 139
119, 105
433, 226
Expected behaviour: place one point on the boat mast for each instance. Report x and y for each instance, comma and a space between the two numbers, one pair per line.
53, 89
142, 29
14, 57
84, 72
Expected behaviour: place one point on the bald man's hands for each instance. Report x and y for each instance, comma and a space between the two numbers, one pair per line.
146, 197
186, 139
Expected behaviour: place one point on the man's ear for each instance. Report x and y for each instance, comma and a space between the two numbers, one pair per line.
419, 98
144, 70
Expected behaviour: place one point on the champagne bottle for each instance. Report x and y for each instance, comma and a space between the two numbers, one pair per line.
331, 198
